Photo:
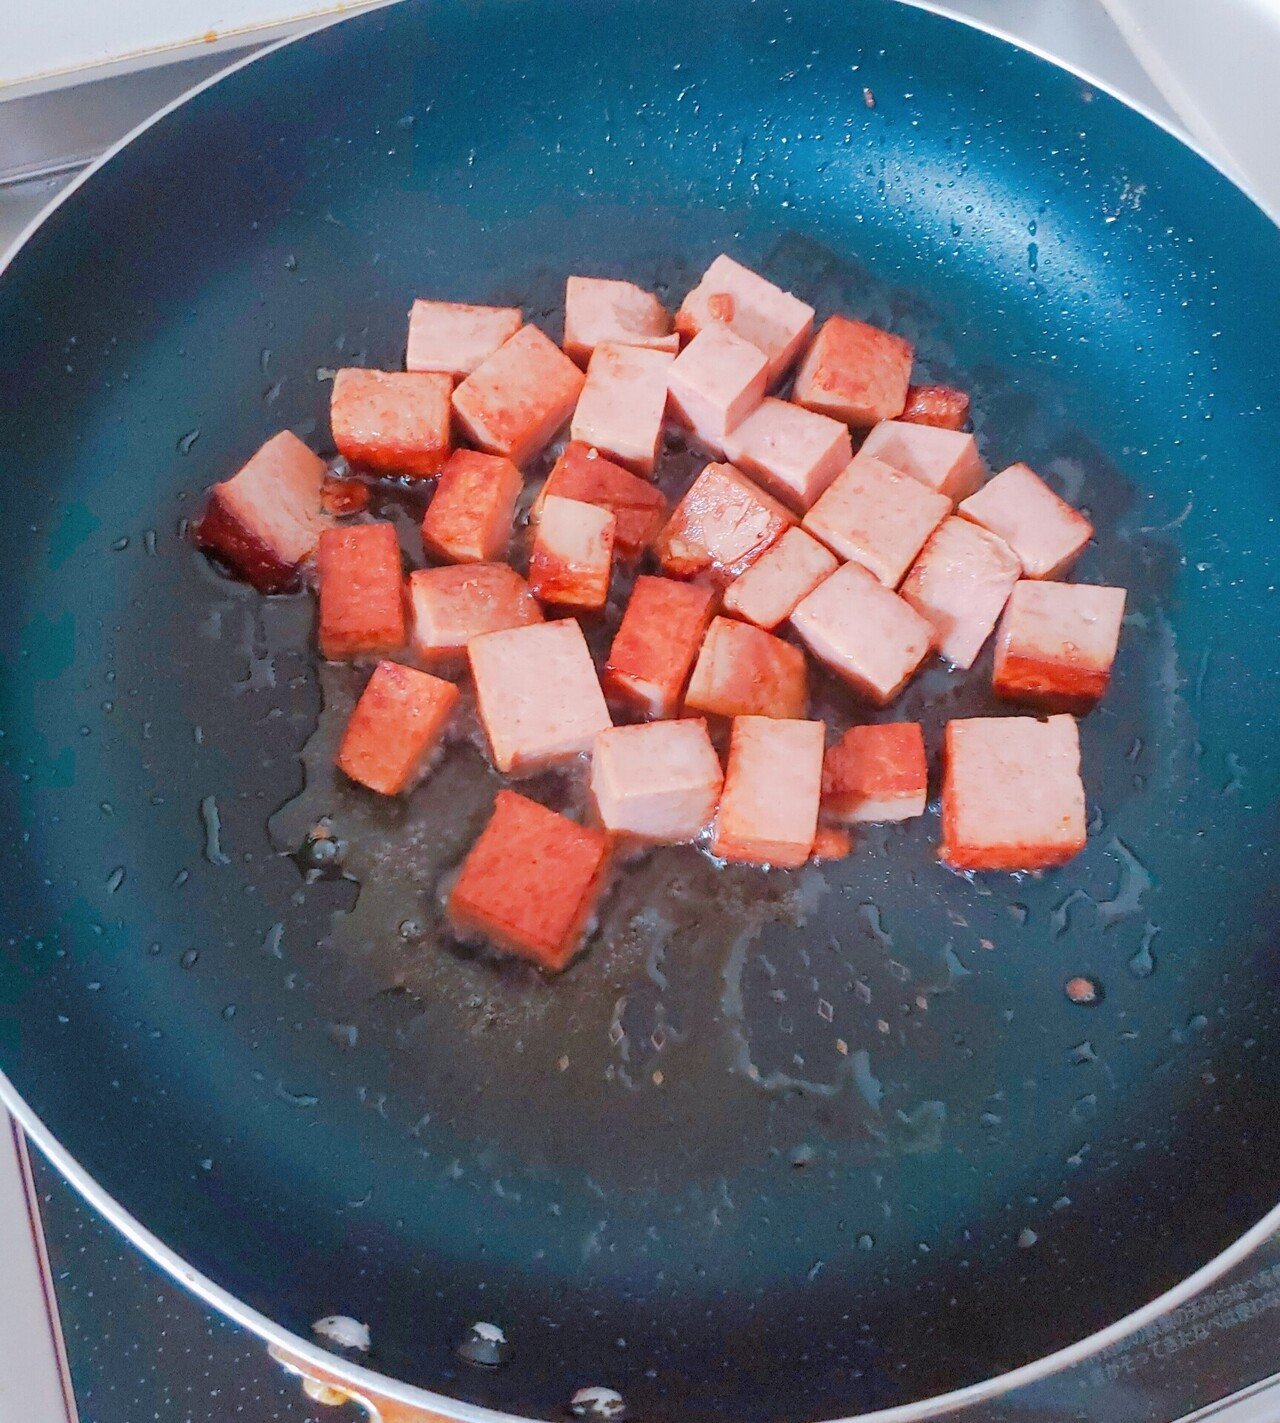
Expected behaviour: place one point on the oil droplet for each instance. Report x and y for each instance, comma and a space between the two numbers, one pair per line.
866, 1242
484, 1344
1033, 256
149, 541
229, 1012
1027, 1238
1082, 1053
187, 443
1084, 991
1084, 1107
115, 879
119, 545
190, 958
212, 823
345, 1332
599, 1403
291, 263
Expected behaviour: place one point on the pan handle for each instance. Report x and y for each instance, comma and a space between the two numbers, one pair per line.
329, 1387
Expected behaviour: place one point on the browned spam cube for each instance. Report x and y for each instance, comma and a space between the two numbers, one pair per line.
361, 592
1044, 531
621, 406
531, 881
392, 422
265, 521
875, 516
940, 405
772, 788
469, 517
943, 460
598, 309
572, 554
960, 583
639, 509
876, 773
864, 632
657, 782
656, 644
715, 383
454, 337
1012, 798
397, 724
794, 453
744, 671
1056, 644
753, 308
855, 373
767, 593
449, 606
514, 402
720, 527
538, 694
830, 842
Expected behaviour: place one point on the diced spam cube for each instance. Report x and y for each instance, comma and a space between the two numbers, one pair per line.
1044, 531
597, 309
945, 460
455, 338
855, 373
583, 473
531, 881
514, 402
572, 554
396, 725
864, 632
876, 773
940, 405
656, 644
960, 583
794, 453
393, 422
361, 591
449, 606
750, 306
715, 383
1057, 642
877, 517
720, 527
469, 517
1012, 798
744, 671
265, 521
769, 590
772, 786
621, 406
538, 694
343, 497
658, 782
831, 843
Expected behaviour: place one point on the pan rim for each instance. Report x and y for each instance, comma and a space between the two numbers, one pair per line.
380, 1386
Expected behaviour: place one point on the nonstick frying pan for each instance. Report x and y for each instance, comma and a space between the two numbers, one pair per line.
780, 1147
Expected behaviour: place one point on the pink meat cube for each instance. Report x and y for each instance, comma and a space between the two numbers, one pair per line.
583, 473
939, 405
597, 310
621, 406
945, 460
398, 722
449, 606
876, 773
720, 527
1012, 798
361, 592
572, 554
877, 517
960, 583
768, 591
658, 782
469, 518
744, 302
514, 402
1057, 642
392, 422
538, 694
772, 787
864, 632
265, 522
831, 843
655, 645
455, 338
715, 383
794, 453
855, 373
1044, 531
744, 671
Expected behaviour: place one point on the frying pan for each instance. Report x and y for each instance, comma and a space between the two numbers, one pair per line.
788, 1146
